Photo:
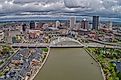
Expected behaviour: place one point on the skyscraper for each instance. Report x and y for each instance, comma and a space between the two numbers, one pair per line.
58, 24
110, 25
24, 27
72, 22
84, 24
95, 22
32, 25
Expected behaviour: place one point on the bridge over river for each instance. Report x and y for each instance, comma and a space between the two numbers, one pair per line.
62, 43
69, 64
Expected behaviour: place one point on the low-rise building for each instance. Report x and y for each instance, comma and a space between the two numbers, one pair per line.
33, 34
1, 35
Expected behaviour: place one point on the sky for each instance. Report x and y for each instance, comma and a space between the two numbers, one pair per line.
106, 8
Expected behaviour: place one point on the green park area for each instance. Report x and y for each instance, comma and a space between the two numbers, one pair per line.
107, 57
45, 49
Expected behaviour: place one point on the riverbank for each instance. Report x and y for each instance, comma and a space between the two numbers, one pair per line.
106, 58
102, 72
42, 64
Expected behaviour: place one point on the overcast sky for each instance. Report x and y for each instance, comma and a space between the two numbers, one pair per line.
110, 8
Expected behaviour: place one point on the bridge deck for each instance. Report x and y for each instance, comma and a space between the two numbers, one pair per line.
43, 45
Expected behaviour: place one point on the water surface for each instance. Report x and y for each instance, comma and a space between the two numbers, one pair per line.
69, 64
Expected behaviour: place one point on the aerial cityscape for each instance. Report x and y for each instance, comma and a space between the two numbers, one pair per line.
64, 40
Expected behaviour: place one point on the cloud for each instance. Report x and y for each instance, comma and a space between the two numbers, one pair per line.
99, 7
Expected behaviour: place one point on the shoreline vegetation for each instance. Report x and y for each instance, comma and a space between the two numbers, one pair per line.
104, 58
46, 52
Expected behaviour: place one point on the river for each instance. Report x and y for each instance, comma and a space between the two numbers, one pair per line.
69, 64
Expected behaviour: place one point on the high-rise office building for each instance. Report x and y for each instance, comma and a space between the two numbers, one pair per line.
84, 24
95, 22
58, 24
110, 25
32, 25
72, 22
23, 27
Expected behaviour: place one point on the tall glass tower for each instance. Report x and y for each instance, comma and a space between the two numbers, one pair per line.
95, 22
32, 25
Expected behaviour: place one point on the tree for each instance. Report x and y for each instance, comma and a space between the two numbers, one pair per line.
119, 75
6, 49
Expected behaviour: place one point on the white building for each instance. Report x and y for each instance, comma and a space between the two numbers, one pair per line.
57, 24
36, 24
45, 26
100, 26
110, 25
72, 22
90, 26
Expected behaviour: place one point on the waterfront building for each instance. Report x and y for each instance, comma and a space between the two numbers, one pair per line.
95, 22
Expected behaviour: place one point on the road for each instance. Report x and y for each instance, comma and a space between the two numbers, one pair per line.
85, 45
8, 60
